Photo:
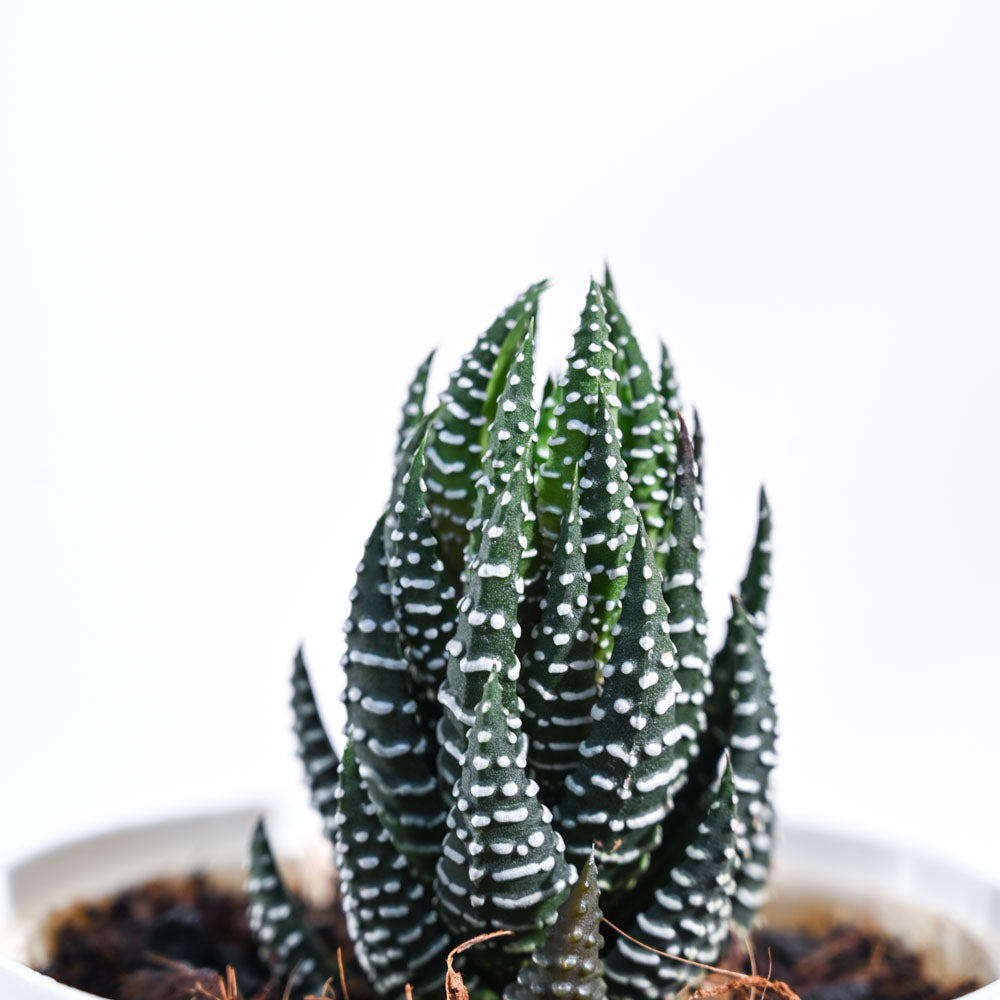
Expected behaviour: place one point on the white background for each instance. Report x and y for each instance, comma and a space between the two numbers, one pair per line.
228, 233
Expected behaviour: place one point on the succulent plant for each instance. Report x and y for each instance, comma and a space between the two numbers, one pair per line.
536, 729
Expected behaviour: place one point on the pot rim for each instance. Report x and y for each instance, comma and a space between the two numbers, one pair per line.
210, 839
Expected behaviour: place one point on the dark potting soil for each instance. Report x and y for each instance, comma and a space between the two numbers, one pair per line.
847, 963
170, 940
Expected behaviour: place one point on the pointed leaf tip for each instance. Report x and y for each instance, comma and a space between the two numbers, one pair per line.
686, 464
285, 941
258, 837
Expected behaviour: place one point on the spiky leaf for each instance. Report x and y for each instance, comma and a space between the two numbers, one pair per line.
458, 429
608, 282
756, 586
619, 793
752, 749
683, 595
502, 865
286, 943
609, 522
648, 445
511, 437
318, 756
487, 632
615, 774
698, 446
397, 935
689, 915
590, 368
568, 965
394, 752
668, 381
424, 601
546, 419
559, 679
413, 408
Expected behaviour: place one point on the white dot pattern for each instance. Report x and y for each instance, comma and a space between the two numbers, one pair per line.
752, 740
424, 599
394, 754
560, 675
453, 455
588, 370
413, 408
756, 585
285, 941
613, 674
690, 912
512, 437
315, 750
568, 965
479, 646
619, 793
648, 444
609, 523
398, 937
502, 864
682, 591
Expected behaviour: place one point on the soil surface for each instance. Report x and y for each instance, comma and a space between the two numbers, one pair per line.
846, 963
171, 939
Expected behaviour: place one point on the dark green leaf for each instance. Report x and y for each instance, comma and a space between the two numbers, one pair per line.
559, 678
689, 916
287, 945
397, 935
459, 428
394, 747
619, 793
315, 750
502, 864
568, 965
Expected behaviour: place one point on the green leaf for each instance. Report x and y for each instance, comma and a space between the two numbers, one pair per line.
689, 916
318, 756
608, 283
647, 430
568, 965
511, 436
590, 368
499, 380
619, 793
609, 523
752, 749
413, 409
395, 755
682, 591
502, 865
286, 943
487, 631
546, 419
559, 680
671, 411
424, 602
397, 935
698, 443
458, 429
668, 381
555, 540
756, 585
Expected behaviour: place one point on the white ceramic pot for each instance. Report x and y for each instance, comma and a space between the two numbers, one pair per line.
947, 914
